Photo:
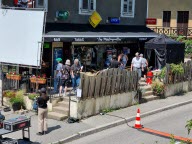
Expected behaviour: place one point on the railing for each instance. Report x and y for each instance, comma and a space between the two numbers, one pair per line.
173, 31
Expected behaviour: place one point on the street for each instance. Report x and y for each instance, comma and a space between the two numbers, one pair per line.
171, 121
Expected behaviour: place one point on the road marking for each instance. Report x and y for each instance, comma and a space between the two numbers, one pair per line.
163, 134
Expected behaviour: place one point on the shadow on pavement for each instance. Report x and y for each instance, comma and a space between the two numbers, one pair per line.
50, 129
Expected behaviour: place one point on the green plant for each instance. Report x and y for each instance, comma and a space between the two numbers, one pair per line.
19, 98
109, 110
189, 126
172, 141
175, 69
9, 94
32, 96
158, 87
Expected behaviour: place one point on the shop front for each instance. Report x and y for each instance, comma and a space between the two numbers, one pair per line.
93, 47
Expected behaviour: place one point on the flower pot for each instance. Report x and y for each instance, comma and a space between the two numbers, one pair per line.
16, 106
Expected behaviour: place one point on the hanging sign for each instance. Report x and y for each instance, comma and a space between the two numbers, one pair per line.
95, 19
62, 15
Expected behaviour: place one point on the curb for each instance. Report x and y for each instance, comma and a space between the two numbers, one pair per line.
117, 123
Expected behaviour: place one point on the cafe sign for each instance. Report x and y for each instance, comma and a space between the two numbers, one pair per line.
62, 15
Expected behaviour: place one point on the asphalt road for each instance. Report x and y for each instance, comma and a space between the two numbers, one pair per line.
170, 121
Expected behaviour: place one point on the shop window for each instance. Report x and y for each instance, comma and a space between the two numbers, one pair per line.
127, 8
166, 18
42, 4
87, 6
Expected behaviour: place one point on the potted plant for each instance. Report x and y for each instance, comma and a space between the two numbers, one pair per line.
158, 88
17, 101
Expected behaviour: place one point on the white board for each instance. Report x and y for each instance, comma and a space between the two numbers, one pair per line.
21, 36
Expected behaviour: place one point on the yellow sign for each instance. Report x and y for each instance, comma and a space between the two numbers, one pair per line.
95, 19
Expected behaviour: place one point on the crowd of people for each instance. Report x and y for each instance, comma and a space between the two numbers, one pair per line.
138, 63
65, 73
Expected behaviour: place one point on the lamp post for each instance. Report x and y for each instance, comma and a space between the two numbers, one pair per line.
1, 85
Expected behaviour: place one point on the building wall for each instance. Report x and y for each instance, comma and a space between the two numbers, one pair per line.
106, 8
156, 8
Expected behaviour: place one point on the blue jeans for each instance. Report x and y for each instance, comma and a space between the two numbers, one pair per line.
75, 81
56, 84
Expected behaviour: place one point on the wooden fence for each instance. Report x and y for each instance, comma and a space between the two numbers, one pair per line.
108, 82
176, 78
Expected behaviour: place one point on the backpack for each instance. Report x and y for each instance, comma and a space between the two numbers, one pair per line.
124, 60
65, 72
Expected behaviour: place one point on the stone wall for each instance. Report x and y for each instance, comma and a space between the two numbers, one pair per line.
174, 89
85, 108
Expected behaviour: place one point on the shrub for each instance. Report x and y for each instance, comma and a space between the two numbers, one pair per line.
158, 87
175, 69
9, 94
32, 96
18, 98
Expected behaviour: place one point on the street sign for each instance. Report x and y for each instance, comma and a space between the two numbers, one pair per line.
62, 15
114, 20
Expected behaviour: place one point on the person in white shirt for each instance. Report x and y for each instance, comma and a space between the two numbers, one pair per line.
145, 65
137, 65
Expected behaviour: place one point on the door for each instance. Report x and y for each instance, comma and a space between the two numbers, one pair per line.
182, 22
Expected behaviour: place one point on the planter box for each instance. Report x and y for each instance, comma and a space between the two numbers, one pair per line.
38, 80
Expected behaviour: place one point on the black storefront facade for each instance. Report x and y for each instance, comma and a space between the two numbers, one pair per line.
92, 46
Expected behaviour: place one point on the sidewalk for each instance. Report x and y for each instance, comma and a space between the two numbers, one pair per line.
63, 131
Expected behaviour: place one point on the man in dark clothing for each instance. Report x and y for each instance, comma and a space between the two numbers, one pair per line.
114, 63
42, 112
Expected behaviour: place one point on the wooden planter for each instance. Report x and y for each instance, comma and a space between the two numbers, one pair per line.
16, 77
38, 80
8, 76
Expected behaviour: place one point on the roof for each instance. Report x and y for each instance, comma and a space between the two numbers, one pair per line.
162, 42
60, 30
163, 39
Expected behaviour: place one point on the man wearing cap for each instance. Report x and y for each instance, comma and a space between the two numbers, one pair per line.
145, 65
42, 112
114, 63
58, 74
137, 65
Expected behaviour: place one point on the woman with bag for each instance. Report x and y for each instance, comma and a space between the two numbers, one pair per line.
66, 75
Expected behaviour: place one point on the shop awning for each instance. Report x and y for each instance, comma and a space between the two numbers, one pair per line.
102, 33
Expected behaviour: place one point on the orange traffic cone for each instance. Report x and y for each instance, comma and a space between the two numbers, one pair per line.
138, 120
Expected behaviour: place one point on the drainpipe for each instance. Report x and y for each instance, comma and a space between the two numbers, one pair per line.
0, 3
147, 8
1, 85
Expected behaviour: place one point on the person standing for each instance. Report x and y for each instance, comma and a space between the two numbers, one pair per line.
136, 65
66, 75
114, 63
57, 78
42, 112
122, 58
76, 68
145, 65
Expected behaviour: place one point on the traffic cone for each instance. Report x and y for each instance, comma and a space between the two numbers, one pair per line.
138, 120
